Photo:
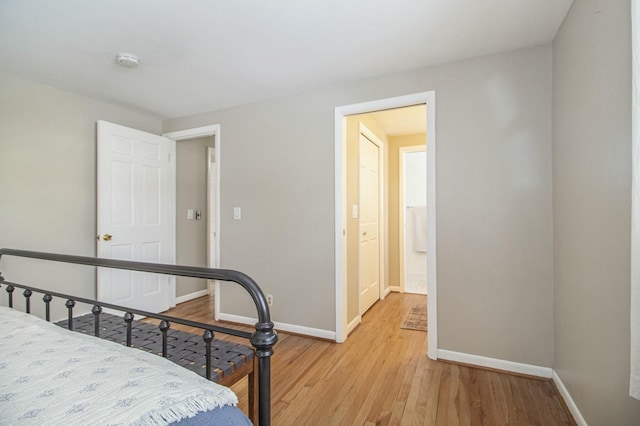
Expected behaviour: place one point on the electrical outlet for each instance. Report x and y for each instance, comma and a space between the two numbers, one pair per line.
270, 300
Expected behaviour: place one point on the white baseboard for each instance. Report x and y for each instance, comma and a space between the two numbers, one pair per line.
573, 408
281, 326
516, 367
353, 324
394, 288
191, 296
498, 364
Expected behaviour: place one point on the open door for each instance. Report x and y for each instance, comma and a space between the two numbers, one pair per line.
369, 224
135, 215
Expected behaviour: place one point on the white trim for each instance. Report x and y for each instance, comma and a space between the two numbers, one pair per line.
432, 263
519, 368
172, 218
198, 132
282, 326
191, 296
340, 226
497, 364
341, 112
401, 219
634, 315
212, 261
395, 288
353, 324
573, 408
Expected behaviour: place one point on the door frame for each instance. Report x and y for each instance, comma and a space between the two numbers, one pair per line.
212, 241
382, 217
199, 132
402, 211
428, 98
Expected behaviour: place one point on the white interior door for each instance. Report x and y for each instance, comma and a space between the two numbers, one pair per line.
369, 245
136, 215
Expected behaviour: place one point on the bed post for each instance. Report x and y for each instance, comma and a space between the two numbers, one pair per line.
263, 340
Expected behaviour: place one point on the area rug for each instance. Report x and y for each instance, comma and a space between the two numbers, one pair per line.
416, 318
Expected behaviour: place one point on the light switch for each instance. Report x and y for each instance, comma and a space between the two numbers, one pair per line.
190, 214
354, 211
237, 213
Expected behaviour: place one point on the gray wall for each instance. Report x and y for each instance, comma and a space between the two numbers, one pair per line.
592, 206
191, 193
498, 259
48, 178
495, 283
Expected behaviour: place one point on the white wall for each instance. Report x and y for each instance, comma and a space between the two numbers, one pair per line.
415, 178
592, 206
48, 178
493, 190
415, 201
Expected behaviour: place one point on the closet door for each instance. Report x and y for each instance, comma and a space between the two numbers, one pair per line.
369, 253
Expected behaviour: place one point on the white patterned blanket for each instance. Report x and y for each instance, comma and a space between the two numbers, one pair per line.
50, 376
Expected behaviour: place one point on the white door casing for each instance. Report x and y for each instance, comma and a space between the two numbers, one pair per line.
211, 209
213, 130
369, 223
341, 209
135, 215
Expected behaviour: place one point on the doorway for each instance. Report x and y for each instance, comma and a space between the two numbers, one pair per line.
212, 199
192, 212
377, 137
344, 210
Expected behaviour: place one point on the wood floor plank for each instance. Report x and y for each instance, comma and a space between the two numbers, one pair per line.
382, 376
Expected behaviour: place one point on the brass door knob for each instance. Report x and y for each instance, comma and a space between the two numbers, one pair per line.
107, 237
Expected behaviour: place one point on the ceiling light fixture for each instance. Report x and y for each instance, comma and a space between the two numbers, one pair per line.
127, 60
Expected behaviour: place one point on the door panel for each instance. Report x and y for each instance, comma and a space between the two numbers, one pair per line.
369, 199
151, 195
136, 186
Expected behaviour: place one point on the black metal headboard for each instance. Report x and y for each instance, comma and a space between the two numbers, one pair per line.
263, 338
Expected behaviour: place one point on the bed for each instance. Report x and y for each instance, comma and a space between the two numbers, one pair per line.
54, 375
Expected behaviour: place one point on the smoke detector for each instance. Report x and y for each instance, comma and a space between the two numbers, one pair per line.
127, 60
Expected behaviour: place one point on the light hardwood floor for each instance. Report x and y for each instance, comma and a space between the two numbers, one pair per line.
381, 375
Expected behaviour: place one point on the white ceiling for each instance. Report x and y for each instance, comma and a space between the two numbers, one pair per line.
201, 55
402, 121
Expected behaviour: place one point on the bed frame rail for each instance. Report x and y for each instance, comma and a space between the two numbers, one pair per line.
263, 338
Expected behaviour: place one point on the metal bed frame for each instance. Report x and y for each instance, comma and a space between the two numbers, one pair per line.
263, 338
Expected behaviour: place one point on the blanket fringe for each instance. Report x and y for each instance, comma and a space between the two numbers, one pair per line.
184, 409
